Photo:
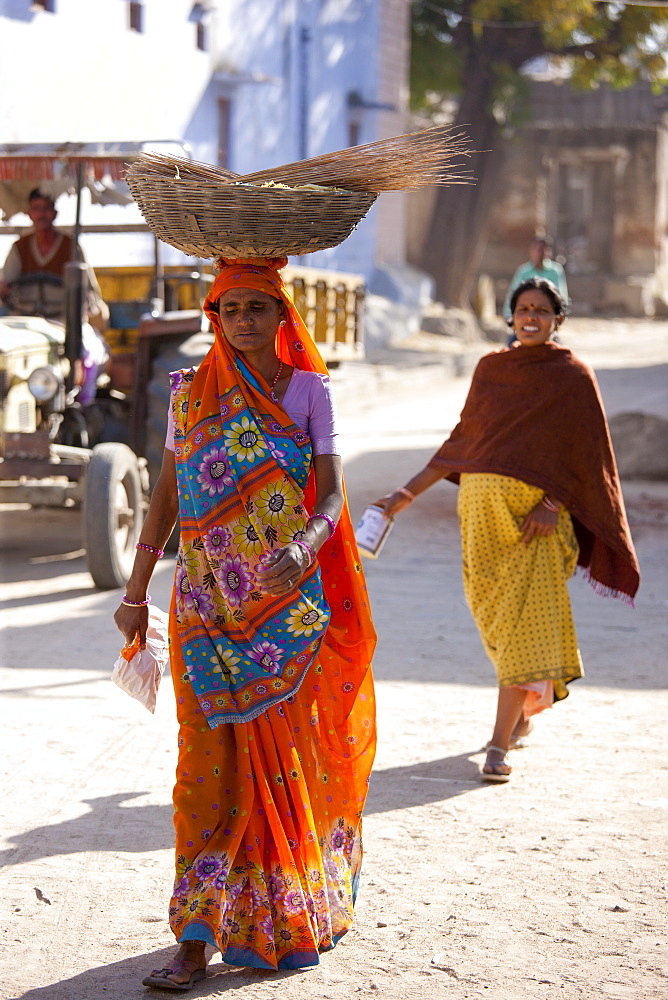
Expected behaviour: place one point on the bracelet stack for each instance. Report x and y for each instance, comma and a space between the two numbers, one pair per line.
325, 517
309, 550
135, 604
151, 548
549, 505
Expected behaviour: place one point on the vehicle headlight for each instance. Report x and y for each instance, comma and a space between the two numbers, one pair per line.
44, 383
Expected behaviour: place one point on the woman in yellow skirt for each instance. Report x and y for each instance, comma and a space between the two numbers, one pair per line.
539, 496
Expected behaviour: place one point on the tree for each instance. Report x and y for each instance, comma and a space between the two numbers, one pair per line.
473, 51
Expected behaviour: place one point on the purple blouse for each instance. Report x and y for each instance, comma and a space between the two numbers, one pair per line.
309, 402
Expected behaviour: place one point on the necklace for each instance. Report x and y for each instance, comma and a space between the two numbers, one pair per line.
275, 380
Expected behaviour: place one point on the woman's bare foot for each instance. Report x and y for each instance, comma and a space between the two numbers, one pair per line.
186, 968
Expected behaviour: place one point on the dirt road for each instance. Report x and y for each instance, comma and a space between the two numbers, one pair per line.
551, 886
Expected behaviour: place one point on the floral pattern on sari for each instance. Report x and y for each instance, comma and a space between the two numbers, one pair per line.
241, 495
262, 919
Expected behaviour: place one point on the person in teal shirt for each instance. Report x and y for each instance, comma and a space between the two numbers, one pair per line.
539, 265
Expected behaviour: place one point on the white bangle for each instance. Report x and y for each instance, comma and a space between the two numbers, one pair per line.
405, 492
307, 548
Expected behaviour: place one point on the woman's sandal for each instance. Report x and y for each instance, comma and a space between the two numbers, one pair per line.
159, 977
494, 774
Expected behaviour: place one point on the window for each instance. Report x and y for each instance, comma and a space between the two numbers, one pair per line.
199, 15
136, 13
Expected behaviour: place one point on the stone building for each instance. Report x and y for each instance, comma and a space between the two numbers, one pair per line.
590, 169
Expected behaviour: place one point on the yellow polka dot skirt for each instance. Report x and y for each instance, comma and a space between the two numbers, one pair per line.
517, 593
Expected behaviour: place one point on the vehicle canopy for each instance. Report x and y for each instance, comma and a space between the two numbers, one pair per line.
69, 168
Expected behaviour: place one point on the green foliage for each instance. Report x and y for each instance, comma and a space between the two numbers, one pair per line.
609, 43
435, 68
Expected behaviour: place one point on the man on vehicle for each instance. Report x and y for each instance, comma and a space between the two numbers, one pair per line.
42, 255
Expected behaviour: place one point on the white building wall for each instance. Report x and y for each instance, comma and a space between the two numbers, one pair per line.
80, 73
286, 67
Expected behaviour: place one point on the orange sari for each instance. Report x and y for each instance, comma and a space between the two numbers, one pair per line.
274, 695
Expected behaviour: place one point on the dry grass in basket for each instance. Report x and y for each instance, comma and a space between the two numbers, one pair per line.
403, 162
294, 209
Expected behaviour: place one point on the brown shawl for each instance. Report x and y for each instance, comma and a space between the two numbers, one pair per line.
535, 413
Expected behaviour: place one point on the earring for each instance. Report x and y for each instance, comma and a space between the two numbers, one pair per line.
282, 323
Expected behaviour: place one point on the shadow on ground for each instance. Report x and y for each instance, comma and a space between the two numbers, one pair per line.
133, 830
122, 980
421, 783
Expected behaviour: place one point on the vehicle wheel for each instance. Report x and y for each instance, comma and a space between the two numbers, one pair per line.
112, 515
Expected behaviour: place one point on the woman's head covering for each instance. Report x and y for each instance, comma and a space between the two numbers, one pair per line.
294, 343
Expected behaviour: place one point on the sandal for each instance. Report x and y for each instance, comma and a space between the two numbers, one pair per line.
159, 977
494, 774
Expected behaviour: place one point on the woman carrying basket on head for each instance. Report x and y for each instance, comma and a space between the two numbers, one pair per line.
271, 642
539, 493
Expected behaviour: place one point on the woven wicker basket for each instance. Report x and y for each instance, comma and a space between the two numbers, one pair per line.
227, 219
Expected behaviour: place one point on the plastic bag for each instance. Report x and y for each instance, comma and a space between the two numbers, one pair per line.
138, 672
